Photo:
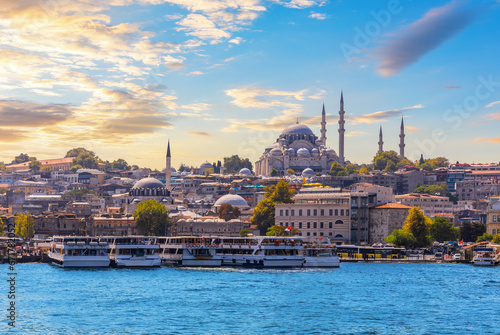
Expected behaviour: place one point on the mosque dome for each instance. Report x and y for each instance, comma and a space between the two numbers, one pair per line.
307, 173
276, 152
206, 165
232, 199
303, 152
148, 183
330, 151
245, 171
297, 129
291, 151
314, 151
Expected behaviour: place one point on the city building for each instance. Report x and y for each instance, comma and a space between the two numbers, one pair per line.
384, 194
493, 216
63, 164
430, 204
361, 202
384, 219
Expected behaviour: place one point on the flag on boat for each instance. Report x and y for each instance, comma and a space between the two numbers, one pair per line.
288, 228
461, 242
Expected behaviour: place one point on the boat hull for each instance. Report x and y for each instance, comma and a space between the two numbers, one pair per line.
80, 261
322, 262
137, 262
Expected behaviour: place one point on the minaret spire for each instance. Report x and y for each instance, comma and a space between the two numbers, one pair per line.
341, 129
323, 126
168, 168
380, 141
402, 139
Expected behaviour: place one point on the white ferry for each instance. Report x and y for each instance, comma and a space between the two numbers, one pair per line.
484, 257
79, 252
188, 251
320, 254
134, 251
261, 252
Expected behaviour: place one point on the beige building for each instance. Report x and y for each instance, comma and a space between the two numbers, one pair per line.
318, 212
384, 219
493, 216
431, 204
210, 227
384, 194
108, 226
63, 164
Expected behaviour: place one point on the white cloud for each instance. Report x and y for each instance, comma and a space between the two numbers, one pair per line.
318, 16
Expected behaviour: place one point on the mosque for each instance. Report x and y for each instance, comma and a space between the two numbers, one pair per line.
297, 148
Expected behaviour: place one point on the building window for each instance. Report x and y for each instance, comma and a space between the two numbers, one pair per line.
315, 225
292, 224
336, 212
322, 212
281, 212
321, 225
330, 212
308, 234
308, 212
300, 212
292, 212
320, 234
494, 218
300, 225
309, 225
339, 222
315, 212
346, 212
286, 212
330, 234
330, 225
341, 212
314, 234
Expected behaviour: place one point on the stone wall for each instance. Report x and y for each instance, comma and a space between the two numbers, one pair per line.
383, 221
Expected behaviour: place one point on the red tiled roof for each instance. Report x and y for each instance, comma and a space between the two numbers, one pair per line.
393, 205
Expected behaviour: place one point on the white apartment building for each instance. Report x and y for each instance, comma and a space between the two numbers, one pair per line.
318, 212
431, 204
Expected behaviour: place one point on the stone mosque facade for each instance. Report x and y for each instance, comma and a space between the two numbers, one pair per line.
298, 148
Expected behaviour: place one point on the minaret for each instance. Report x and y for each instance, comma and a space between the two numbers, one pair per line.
168, 170
402, 139
380, 142
341, 129
323, 126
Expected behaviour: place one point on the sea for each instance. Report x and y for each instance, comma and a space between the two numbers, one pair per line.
357, 298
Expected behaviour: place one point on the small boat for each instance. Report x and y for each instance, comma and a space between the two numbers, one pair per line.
484, 257
320, 255
78, 252
188, 251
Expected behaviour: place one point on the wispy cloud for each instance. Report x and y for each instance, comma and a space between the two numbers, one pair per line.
489, 140
492, 116
195, 73
298, 3
355, 133
415, 40
411, 129
200, 133
491, 104
318, 16
452, 87
382, 115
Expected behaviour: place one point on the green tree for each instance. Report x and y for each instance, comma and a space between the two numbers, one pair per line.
3, 190
228, 212
365, 169
120, 164
86, 160
25, 226
245, 232
263, 215
442, 230
274, 172
2, 228
402, 238
78, 193
46, 169
76, 151
234, 164
34, 164
485, 237
3, 167
22, 158
426, 166
419, 225
75, 168
351, 169
470, 231
281, 231
151, 218
208, 172
337, 170
290, 172
496, 239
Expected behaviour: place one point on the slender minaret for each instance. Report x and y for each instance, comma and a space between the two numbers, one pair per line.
168, 170
380, 142
341, 129
323, 126
402, 139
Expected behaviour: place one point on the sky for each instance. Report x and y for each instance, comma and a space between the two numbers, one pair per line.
225, 77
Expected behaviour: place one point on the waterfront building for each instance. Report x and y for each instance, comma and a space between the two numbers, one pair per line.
361, 202
210, 226
384, 219
113, 226
493, 216
476, 189
318, 212
384, 194
431, 204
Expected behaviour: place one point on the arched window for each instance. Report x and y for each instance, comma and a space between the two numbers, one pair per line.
339, 222
339, 236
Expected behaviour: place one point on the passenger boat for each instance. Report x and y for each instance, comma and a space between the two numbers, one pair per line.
134, 251
78, 252
484, 257
189, 251
320, 254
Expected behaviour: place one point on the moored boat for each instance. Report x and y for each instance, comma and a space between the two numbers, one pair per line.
78, 252
320, 254
134, 251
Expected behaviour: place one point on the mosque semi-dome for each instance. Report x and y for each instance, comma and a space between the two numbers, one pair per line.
245, 171
231, 199
291, 151
303, 152
275, 152
297, 129
314, 151
307, 172
206, 165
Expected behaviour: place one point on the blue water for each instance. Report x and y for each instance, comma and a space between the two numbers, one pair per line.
358, 298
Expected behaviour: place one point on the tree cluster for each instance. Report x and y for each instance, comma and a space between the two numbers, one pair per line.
228, 212
234, 164
471, 231
419, 231
281, 231
25, 226
151, 218
432, 163
263, 215
389, 161
83, 157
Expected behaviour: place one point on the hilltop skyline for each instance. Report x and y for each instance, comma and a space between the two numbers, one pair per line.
219, 78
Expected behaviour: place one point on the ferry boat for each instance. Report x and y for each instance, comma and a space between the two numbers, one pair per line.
189, 251
318, 254
134, 251
484, 257
79, 252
